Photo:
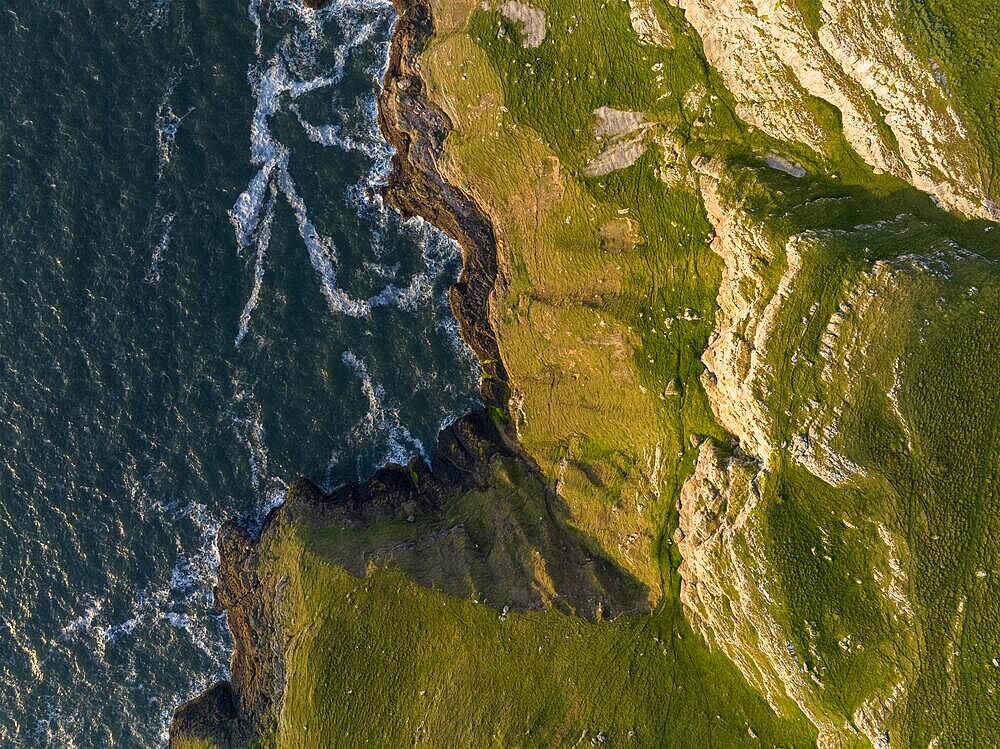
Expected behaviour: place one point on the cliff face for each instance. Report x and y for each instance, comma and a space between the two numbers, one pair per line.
416, 128
238, 712
229, 714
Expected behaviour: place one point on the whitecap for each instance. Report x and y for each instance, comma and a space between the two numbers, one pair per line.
248, 426
162, 222
156, 14
273, 84
245, 213
382, 422
322, 254
249, 430
126, 627
253, 10
162, 245
176, 620
181, 576
262, 242
85, 621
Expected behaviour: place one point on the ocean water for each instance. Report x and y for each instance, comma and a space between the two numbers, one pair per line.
202, 297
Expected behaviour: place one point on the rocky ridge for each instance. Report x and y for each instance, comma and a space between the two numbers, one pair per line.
895, 114
868, 323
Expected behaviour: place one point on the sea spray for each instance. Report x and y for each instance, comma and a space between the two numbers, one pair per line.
380, 422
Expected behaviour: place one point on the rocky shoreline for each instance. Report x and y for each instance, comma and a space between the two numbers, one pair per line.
232, 713
416, 128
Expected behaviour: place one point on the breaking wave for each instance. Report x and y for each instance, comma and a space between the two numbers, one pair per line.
379, 422
262, 242
161, 221
278, 82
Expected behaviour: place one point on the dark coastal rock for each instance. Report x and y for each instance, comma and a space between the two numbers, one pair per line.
484, 524
229, 712
211, 715
416, 129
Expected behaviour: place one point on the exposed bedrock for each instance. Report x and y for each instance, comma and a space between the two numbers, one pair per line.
416, 128
894, 112
802, 540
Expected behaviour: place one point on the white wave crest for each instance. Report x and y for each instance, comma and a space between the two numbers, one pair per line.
262, 243
277, 84
167, 124
245, 214
162, 245
382, 422
85, 621
322, 253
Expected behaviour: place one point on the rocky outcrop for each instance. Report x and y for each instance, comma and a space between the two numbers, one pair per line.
229, 714
646, 24
730, 588
531, 20
210, 717
728, 594
624, 135
740, 360
479, 523
416, 128
762, 281
807, 366
735, 375
895, 114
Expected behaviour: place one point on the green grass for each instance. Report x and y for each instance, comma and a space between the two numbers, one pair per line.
812, 12
573, 307
186, 742
380, 661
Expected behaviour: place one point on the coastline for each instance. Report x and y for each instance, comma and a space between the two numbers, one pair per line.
232, 713
764, 359
416, 128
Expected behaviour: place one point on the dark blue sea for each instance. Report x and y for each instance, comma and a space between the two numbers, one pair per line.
202, 297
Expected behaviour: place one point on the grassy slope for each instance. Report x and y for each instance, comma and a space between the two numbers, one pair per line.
382, 662
605, 372
193, 743
592, 339
937, 496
